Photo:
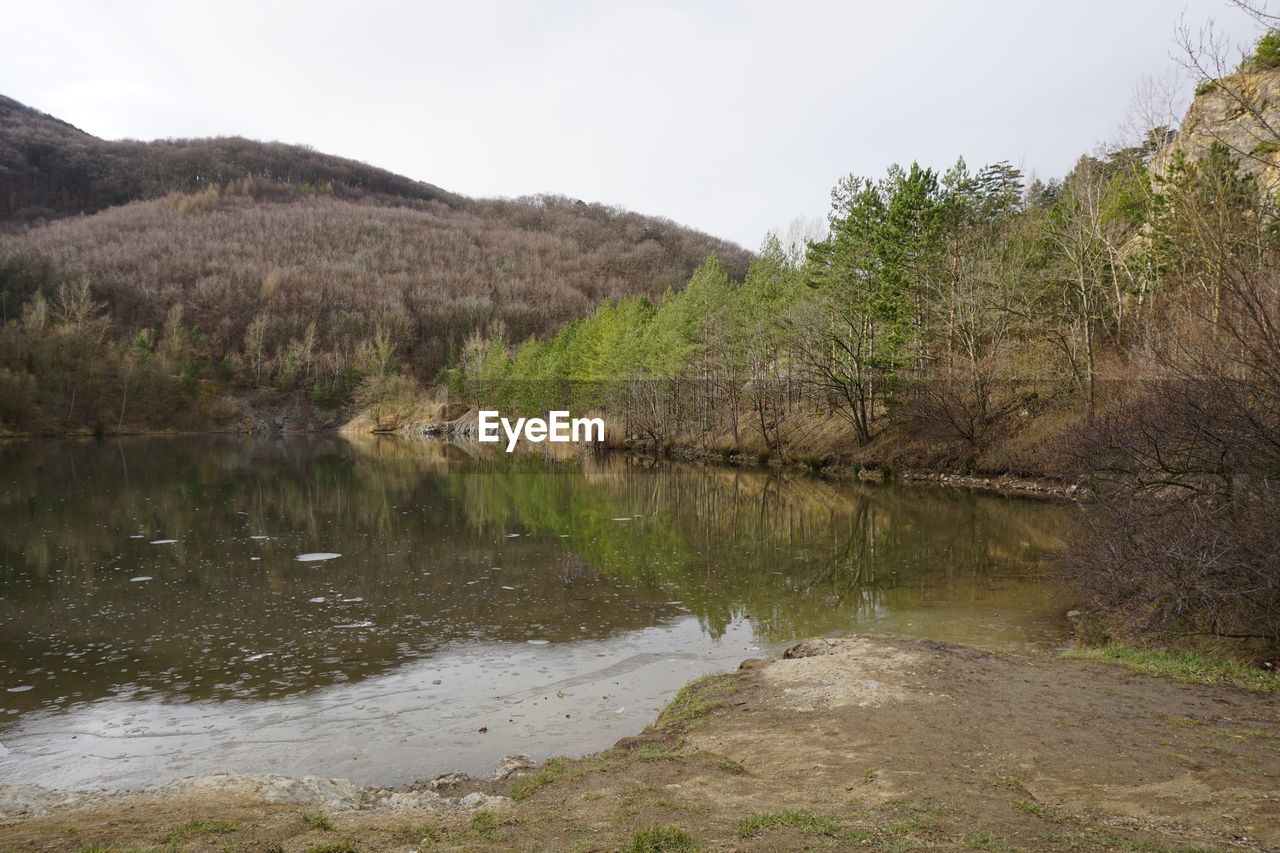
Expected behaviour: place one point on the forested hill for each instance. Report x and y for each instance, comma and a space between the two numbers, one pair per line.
242, 264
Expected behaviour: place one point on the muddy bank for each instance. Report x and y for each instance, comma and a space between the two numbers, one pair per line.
841, 468
868, 743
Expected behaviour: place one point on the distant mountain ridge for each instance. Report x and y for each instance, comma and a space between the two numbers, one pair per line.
49, 167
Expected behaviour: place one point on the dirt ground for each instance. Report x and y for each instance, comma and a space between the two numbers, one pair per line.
867, 744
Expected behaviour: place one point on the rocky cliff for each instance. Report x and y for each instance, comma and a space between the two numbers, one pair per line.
1241, 111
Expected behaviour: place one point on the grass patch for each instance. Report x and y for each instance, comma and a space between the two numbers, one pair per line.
562, 769
199, 827
1035, 809
1191, 667
485, 825
548, 773
1253, 734
994, 843
1224, 750
317, 821
697, 699
632, 797
901, 823
663, 839
803, 821
728, 765
652, 752
425, 832
1095, 839
337, 847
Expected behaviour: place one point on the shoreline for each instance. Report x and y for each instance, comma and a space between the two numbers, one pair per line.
864, 740
1044, 488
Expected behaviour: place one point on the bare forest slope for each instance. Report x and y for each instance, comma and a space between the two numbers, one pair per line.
227, 255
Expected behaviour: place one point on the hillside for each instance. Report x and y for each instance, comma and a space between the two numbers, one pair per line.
51, 168
244, 263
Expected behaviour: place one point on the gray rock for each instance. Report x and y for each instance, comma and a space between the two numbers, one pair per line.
477, 800
514, 765
21, 801
448, 780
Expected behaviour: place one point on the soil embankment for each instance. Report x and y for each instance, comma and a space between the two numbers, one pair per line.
859, 743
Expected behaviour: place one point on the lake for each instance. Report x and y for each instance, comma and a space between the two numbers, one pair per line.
386, 610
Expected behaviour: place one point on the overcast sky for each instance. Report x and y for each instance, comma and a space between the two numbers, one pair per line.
731, 117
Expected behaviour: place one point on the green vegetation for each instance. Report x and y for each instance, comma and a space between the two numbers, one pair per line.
728, 765
697, 700
317, 821
967, 320
803, 821
199, 827
663, 839
336, 847
552, 770
1036, 809
484, 825
1267, 52
1192, 667
426, 832
651, 752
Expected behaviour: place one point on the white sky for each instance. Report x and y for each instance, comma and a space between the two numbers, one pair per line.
731, 117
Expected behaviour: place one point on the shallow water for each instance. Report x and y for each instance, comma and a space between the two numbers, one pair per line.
386, 610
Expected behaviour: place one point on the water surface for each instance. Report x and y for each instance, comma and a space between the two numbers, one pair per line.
386, 610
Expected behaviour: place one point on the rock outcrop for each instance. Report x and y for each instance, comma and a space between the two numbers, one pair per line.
1241, 111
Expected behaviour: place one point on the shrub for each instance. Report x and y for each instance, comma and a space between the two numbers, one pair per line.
390, 400
1267, 52
17, 392
1163, 569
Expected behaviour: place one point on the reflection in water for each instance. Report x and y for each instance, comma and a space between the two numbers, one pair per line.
361, 608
